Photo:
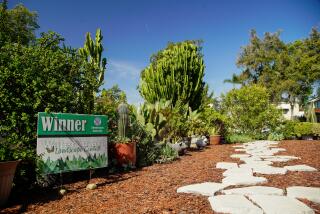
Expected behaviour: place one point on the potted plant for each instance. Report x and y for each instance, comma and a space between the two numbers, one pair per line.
8, 166
125, 148
215, 137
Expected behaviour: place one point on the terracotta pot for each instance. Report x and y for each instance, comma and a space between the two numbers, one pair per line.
7, 170
215, 139
126, 153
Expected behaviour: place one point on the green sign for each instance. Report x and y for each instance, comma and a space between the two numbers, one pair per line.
69, 142
58, 124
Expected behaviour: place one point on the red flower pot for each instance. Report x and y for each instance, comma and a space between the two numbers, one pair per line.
7, 170
215, 139
125, 153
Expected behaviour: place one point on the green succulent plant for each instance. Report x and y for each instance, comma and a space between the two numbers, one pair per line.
152, 117
92, 51
123, 121
175, 73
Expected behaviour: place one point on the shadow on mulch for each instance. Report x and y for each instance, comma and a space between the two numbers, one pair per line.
19, 201
153, 189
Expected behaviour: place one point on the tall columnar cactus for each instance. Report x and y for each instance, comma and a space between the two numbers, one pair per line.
175, 73
123, 121
92, 51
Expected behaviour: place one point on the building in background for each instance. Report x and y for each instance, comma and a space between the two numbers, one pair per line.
286, 110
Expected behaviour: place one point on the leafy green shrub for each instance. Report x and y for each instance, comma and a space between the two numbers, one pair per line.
288, 129
147, 151
275, 136
177, 125
38, 78
215, 122
292, 129
238, 138
7, 150
167, 154
316, 129
250, 111
303, 129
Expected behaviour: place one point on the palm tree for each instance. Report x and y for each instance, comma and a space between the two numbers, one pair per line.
311, 114
235, 79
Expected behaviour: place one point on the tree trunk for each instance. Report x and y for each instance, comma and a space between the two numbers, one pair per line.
292, 107
291, 102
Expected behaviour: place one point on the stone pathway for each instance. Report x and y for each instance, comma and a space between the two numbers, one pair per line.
259, 157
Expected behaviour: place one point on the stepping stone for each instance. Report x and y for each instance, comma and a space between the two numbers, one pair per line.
243, 180
239, 156
234, 204
239, 146
266, 156
270, 153
253, 166
256, 149
206, 189
270, 170
252, 158
278, 150
304, 168
280, 204
240, 150
254, 190
261, 163
238, 172
273, 142
275, 159
226, 165
287, 157
309, 193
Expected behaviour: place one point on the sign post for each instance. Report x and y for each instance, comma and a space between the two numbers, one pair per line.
71, 142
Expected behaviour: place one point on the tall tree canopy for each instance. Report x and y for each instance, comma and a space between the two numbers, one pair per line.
175, 73
284, 69
17, 25
249, 110
39, 75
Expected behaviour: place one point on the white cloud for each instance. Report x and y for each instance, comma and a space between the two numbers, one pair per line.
126, 74
123, 68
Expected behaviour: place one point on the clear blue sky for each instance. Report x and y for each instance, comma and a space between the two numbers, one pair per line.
133, 30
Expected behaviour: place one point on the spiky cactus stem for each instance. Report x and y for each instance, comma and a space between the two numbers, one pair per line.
175, 73
92, 53
123, 121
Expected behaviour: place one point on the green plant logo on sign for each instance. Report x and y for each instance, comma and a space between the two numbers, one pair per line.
68, 142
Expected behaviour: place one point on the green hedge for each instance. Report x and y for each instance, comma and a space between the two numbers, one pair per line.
294, 129
316, 129
238, 138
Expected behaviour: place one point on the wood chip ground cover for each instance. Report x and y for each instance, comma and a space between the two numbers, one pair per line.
153, 189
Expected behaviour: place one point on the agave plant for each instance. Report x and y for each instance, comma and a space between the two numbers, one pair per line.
194, 121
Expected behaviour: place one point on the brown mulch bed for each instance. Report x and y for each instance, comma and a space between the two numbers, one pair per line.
153, 189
